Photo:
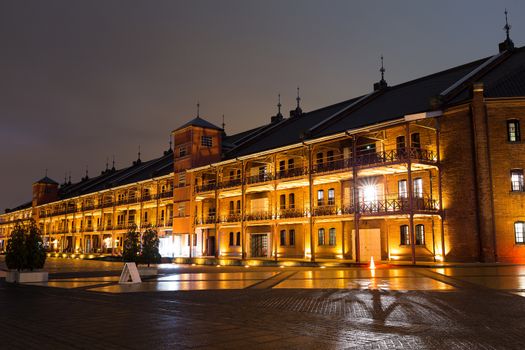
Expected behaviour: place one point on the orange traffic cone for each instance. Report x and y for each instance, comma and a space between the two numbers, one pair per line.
372, 264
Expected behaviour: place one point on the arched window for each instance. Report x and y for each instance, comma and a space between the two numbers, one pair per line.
519, 232
404, 235
420, 234
283, 237
291, 237
238, 239
291, 201
320, 236
231, 239
282, 201
331, 236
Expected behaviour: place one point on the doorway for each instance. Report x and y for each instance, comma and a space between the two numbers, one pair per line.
369, 244
259, 245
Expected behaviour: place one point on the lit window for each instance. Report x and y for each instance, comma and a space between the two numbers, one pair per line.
320, 198
238, 239
400, 143
513, 130
516, 179
420, 234
369, 193
231, 239
282, 165
418, 188
404, 236
331, 236
283, 237
282, 201
402, 188
238, 207
182, 179
206, 141
290, 164
291, 237
331, 196
232, 208
182, 209
519, 228
291, 201
320, 236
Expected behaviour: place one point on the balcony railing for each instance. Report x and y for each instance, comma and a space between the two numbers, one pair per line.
230, 183
146, 197
107, 204
398, 205
88, 207
206, 220
165, 223
262, 215
259, 178
283, 174
128, 201
167, 194
291, 213
332, 165
325, 210
231, 218
206, 187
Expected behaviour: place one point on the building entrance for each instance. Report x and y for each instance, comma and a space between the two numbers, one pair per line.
369, 244
259, 245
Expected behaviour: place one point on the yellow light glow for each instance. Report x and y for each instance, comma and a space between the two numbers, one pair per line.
369, 193
218, 265
246, 266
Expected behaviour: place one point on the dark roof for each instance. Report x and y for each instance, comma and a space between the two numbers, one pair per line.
20, 207
46, 180
198, 121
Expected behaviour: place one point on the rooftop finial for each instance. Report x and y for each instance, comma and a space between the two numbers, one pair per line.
298, 98
69, 181
87, 171
107, 163
278, 117
381, 84
113, 167
507, 25
65, 178
279, 104
138, 159
223, 125
46, 172
171, 143
382, 70
198, 109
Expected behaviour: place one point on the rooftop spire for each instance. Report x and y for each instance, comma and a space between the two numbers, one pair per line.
278, 117
198, 109
113, 167
138, 154
171, 142
107, 163
297, 111
69, 180
46, 173
298, 98
138, 161
382, 84
506, 45
65, 178
223, 125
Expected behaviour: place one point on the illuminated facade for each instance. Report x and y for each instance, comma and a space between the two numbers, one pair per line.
428, 170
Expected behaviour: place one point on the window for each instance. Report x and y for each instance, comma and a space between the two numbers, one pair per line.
206, 141
329, 157
182, 179
367, 149
182, 209
145, 217
238, 207
182, 151
519, 228
231, 239
319, 158
238, 174
291, 164
331, 236
282, 165
331, 196
232, 208
418, 188
420, 234
291, 237
283, 237
404, 236
513, 130
282, 201
320, 198
238, 243
516, 180
402, 189
400, 143
232, 174
320, 236
415, 142
291, 201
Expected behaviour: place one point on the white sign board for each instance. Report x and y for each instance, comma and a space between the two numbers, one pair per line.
130, 274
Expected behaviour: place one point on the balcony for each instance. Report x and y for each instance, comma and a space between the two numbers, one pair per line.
167, 223
325, 210
147, 197
230, 183
285, 174
205, 188
332, 165
107, 204
131, 200
108, 227
88, 229
231, 218
291, 213
398, 205
88, 207
209, 220
261, 215
259, 178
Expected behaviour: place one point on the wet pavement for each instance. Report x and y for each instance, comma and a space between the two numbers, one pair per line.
211, 307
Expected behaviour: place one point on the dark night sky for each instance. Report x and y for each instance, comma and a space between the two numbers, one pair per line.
83, 80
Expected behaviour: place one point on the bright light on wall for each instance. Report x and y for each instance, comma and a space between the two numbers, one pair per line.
370, 193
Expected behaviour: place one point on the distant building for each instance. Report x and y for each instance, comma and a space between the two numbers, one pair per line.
428, 170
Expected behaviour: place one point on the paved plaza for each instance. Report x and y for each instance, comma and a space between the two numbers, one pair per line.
83, 306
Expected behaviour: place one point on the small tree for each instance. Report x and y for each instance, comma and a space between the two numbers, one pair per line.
36, 253
150, 247
131, 248
16, 251
25, 249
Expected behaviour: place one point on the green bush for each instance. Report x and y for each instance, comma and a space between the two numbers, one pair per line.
131, 247
25, 250
150, 247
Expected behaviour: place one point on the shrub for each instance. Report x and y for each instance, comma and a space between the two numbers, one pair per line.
150, 247
131, 247
25, 249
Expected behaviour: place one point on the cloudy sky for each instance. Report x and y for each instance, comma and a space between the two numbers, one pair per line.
81, 81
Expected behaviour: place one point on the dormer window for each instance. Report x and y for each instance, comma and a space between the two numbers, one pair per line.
206, 141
